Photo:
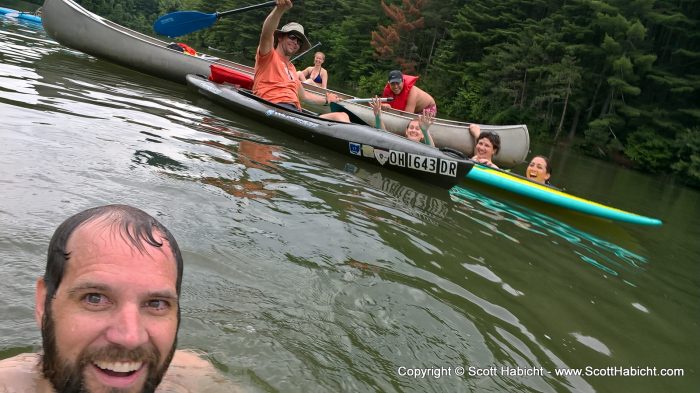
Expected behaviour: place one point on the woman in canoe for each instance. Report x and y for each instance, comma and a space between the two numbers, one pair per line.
316, 75
539, 170
486, 144
416, 129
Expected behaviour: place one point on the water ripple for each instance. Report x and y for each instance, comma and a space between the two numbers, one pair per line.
309, 271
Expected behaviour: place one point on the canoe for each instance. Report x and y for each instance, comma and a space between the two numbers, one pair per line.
360, 141
395, 152
74, 26
20, 15
515, 139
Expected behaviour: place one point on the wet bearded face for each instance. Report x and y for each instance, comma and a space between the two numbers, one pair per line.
67, 377
111, 324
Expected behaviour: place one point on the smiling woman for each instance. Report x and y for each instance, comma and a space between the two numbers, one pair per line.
539, 170
486, 145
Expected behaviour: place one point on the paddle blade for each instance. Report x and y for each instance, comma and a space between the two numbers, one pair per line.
183, 22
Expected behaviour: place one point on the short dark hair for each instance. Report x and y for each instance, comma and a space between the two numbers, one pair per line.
493, 138
546, 162
136, 226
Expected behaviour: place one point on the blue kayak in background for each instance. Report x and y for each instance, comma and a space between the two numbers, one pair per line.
8, 12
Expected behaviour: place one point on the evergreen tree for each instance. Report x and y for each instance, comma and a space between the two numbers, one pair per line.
622, 77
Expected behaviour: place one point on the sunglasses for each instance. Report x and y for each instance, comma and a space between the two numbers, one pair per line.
295, 37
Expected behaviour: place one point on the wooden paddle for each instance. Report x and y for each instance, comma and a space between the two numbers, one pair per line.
180, 23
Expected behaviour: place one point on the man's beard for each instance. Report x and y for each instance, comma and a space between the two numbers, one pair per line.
289, 52
67, 377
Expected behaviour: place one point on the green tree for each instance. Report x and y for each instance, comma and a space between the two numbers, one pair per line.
621, 76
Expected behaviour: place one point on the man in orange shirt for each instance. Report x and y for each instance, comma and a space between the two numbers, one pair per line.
276, 77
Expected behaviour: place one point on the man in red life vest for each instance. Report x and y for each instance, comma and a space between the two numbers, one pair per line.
408, 97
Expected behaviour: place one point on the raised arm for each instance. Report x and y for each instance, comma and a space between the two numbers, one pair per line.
376, 105
475, 130
426, 120
267, 34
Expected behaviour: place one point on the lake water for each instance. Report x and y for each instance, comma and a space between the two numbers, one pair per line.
307, 271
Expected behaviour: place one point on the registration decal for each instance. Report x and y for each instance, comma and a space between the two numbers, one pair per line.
397, 158
448, 168
355, 148
381, 155
367, 151
422, 163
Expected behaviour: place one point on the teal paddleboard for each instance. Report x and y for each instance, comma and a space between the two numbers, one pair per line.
543, 193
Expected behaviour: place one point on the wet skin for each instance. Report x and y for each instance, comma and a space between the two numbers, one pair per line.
537, 170
115, 310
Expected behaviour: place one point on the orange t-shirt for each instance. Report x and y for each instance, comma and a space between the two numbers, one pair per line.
276, 79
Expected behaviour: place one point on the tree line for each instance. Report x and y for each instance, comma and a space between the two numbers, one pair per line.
618, 79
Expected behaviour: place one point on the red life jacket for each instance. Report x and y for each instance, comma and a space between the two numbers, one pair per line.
401, 99
187, 49
221, 74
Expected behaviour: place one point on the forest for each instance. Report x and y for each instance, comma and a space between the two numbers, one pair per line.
615, 79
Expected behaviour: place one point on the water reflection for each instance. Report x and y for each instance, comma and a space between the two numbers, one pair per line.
601, 254
404, 194
257, 161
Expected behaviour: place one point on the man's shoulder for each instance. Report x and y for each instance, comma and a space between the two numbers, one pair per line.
264, 56
417, 90
189, 372
421, 93
19, 373
190, 359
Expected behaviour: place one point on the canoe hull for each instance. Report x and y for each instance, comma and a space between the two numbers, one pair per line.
359, 141
77, 28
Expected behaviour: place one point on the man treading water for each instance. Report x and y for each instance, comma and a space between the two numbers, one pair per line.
109, 312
